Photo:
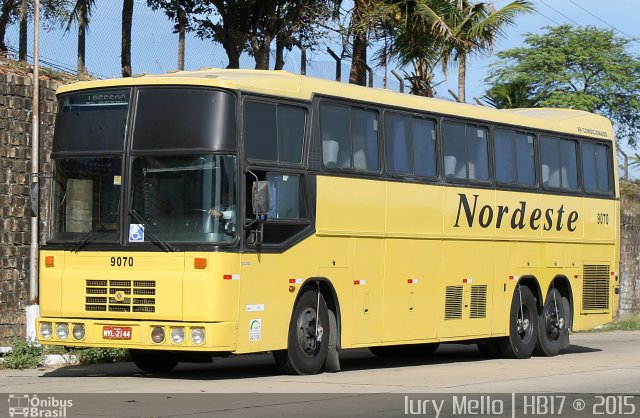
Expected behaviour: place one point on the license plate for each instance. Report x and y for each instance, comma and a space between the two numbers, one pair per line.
116, 333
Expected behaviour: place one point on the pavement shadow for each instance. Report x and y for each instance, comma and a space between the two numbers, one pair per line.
262, 365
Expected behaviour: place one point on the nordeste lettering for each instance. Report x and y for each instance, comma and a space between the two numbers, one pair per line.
516, 218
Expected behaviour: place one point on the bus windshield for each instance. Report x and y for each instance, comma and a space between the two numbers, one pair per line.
189, 198
86, 199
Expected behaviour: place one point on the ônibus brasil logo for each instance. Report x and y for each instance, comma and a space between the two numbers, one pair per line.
34, 406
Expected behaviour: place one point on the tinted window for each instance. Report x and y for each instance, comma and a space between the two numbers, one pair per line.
260, 130
94, 120
514, 158
465, 151
411, 145
274, 132
595, 169
558, 160
349, 137
179, 118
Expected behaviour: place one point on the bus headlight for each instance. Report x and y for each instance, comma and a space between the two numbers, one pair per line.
177, 335
62, 331
46, 329
197, 335
78, 331
157, 335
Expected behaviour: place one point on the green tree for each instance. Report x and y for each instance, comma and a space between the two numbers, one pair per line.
80, 14
475, 28
8, 14
579, 68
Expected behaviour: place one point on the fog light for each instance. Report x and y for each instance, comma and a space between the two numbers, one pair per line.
177, 335
46, 329
62, 331
197, 335
78, 331
157, 335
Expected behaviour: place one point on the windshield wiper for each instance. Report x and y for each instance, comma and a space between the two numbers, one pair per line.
153, 232
92, 235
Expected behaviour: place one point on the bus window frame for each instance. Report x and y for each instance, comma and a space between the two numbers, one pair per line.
306, 106
490, 182
610, 175
562, 190
536, 162
349, 104
385, 145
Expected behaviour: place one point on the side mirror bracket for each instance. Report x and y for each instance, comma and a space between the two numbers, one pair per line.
260, 207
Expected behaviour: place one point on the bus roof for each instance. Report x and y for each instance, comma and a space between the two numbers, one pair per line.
293, 86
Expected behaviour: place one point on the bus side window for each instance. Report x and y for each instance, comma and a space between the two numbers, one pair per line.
595, 171
285, 197
454, 148
559, 156
334, 131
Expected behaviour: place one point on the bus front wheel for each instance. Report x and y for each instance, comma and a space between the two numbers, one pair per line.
523, 325
154, 361
308, 339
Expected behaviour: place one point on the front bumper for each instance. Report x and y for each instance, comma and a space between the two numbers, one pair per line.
218, 336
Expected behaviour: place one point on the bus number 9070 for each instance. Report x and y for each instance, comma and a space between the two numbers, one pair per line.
603, 219
121, 261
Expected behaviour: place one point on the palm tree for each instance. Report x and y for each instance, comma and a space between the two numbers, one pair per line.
415, 33
475, 29
127, 21
80, 13
513, 95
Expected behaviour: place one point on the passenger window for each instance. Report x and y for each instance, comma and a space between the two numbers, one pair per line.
558, 160
349, 138
412, 146
465, 151
595, 168
286, 201
514, 158
274, 132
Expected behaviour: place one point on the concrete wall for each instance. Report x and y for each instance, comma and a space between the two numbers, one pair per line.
15, 167
629, 257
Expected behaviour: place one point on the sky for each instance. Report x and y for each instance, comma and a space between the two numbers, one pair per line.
154, 46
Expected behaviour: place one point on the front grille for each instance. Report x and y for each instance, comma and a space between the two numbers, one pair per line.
118, 296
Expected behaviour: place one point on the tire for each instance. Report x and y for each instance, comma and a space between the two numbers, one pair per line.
332, 363
154, 361
304, 353
405, 350
490, 349
523, 325
552, 325
565, 341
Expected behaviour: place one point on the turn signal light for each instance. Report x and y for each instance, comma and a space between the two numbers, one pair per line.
199, 263
49, 261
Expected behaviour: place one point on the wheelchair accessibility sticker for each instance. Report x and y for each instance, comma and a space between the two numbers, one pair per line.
136, 233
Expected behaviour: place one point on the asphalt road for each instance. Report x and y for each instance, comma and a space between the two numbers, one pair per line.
596, 363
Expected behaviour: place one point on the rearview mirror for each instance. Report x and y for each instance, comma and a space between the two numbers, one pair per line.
260, 199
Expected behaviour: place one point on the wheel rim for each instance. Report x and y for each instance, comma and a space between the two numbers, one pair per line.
553, 323
308, 340
523, 324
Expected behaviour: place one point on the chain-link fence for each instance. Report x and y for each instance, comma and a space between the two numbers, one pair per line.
154, 47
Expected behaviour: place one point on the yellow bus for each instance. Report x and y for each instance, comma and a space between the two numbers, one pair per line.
216, 212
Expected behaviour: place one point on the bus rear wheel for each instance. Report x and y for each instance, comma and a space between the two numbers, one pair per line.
523, 325
553, 325
154, 361
308, 340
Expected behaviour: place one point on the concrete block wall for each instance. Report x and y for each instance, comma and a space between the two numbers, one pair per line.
15, 178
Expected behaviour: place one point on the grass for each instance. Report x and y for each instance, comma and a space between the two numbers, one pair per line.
628, 322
